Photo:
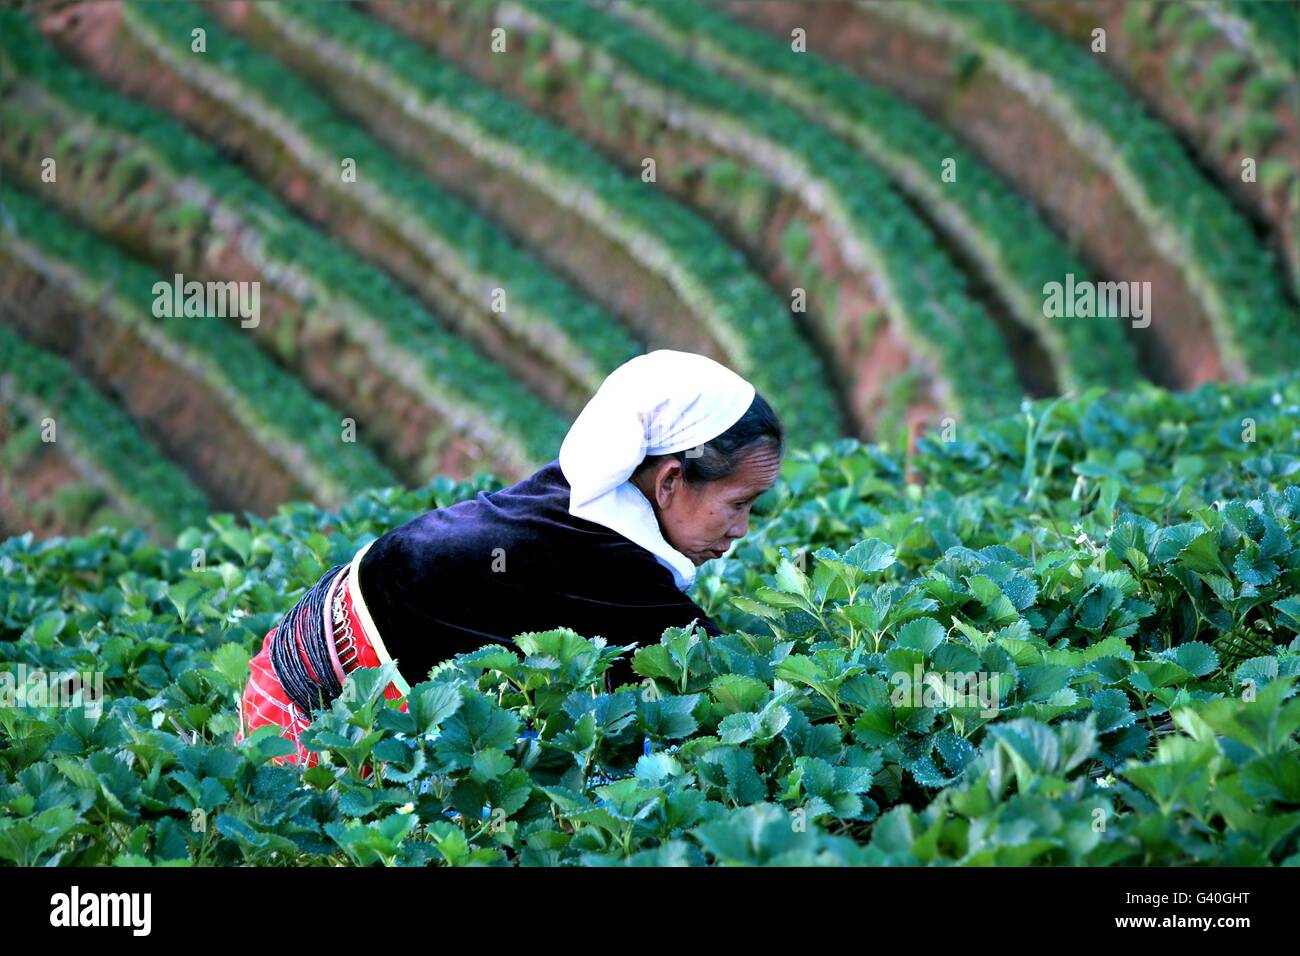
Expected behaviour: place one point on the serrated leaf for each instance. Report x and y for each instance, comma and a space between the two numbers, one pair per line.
923, 634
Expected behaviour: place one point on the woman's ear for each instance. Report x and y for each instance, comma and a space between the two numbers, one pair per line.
668, 479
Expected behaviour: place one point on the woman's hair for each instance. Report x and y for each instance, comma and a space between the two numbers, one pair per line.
719, 457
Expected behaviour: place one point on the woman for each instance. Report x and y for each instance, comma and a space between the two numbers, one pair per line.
655, 477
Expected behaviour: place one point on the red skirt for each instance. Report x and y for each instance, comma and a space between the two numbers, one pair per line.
355, 643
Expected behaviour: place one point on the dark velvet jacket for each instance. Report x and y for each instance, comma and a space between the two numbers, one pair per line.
432, 591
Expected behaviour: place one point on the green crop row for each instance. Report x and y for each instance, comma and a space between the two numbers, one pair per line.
1157, 452
1217, 80
293, 426
579, 339
1255, 326
438, 366
927, 295
99, 437
71, 504
1271, 31
998, 228
711, 277
1236, 103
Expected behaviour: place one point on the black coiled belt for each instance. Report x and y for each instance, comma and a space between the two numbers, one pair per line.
294, 666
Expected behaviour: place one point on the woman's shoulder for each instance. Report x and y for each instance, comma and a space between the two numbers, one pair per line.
532, 514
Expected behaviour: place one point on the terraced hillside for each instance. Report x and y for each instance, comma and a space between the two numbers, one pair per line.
460, 216
1223, 77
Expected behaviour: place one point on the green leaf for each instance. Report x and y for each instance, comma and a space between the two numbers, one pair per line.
490, 763
47, 627
668, 718
1157, 673
431, 704
1254, 568
871, 556
1202, 555
187, 597
738, 728
231, 662
743, 784
793, 581
923, 634
477, 725
1173, 541
1289, 612
1197, 658
738, 693
799, 669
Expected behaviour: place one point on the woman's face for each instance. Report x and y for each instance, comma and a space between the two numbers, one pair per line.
701, 521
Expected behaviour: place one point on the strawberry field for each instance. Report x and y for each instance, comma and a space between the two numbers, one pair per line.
1069, 636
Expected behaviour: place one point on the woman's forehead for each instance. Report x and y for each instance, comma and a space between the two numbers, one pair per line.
759, 470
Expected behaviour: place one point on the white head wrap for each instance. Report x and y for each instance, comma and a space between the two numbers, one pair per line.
660, 402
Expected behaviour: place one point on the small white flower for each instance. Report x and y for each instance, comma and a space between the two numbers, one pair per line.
407, 807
